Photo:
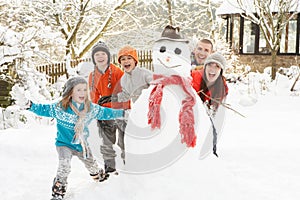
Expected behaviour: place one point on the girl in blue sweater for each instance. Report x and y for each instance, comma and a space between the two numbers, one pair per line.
73, 115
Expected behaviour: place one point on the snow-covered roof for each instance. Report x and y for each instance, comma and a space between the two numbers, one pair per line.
233, 7
229, 7
8, 54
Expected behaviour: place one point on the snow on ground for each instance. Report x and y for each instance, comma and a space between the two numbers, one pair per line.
258, 159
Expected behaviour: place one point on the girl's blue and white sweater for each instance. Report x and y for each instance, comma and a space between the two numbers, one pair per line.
66, 120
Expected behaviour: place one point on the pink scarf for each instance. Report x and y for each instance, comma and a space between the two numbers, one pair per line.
186, 115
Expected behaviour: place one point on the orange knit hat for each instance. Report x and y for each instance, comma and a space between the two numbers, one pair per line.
128, 51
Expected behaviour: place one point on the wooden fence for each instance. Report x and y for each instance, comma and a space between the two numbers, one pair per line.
54, 71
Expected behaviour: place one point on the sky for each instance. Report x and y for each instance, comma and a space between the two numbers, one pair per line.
258, 158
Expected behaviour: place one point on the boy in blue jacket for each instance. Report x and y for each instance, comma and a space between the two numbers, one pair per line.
73, 115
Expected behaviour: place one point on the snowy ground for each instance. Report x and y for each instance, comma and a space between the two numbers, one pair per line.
258, 159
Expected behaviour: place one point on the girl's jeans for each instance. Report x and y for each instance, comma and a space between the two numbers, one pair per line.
65, 155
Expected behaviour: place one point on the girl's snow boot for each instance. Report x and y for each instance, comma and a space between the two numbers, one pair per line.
100, 176
58, 190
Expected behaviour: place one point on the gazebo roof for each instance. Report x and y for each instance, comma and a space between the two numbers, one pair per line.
232, 7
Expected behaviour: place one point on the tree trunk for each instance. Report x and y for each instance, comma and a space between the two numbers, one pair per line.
274, 67
210, 16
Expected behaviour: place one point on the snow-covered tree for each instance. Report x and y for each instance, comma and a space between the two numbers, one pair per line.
81, 23
19, 35
74, 27
61, 30
272, 17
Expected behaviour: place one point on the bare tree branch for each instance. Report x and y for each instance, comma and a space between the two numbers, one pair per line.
103, 28
220, 103
170, 11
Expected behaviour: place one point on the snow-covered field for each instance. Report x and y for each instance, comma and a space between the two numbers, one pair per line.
258, 160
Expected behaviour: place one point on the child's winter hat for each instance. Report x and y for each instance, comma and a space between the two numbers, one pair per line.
128, 51
72, 82
100, 46
216, 58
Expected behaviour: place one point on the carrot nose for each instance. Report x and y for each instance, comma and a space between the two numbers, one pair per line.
168, 59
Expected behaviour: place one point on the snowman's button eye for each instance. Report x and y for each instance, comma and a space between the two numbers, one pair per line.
177, 51
162, 49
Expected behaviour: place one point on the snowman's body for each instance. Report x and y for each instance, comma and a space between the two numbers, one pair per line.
161, 146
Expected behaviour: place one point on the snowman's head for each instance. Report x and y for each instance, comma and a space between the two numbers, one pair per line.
171, 54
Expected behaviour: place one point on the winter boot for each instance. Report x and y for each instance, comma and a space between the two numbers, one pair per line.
109, 166
58, 190
100, 176
109, 169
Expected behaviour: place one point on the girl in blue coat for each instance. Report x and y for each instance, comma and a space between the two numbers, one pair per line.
73, 115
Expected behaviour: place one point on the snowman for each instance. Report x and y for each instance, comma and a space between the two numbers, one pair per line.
168, 118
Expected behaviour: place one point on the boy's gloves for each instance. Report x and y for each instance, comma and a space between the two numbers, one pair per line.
104, 99
107, 99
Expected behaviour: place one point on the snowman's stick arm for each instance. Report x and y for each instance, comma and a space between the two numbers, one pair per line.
292, 88
223, 104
